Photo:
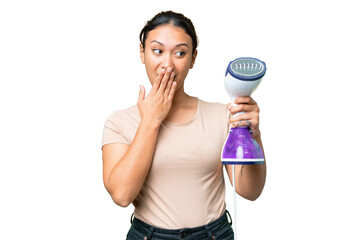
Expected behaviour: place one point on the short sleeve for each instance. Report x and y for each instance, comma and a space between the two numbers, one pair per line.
114, 132
121, 126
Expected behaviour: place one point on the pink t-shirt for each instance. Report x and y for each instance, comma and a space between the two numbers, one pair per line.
185, 185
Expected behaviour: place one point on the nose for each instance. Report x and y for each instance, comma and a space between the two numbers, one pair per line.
167, 62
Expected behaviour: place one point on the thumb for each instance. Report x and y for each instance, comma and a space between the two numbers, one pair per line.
141, 93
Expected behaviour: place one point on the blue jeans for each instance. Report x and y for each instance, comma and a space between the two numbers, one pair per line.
219, 229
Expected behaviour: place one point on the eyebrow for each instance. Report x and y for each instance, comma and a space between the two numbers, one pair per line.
178, 45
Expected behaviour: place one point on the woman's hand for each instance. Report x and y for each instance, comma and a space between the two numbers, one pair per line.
249, 118
157, 104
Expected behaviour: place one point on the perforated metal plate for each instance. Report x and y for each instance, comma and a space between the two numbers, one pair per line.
247, 67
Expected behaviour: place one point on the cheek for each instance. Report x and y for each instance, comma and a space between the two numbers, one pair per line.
183, 67
152, 64
183, 70
151, 75
149, 64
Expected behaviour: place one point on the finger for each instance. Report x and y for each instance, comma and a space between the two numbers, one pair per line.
244, 100
141, 93
172, 91
253, 116
229, 106
165, 79
242, 108
168, 87
240, 117
244, 123
251, 122
158, 79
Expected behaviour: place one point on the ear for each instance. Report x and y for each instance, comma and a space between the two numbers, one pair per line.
193, 59
142, 53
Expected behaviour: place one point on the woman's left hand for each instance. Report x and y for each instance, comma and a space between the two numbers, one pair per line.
249, 118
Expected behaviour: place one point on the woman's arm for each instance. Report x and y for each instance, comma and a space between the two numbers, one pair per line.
250, 179
126, 166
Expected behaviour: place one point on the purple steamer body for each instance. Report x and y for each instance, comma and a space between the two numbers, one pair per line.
241, 148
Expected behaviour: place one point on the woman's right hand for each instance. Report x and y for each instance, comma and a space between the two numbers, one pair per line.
157, 104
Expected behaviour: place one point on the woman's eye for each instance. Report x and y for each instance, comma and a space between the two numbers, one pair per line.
157, 51
180, 54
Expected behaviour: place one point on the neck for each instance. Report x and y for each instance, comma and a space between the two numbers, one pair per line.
183, 107
181, 99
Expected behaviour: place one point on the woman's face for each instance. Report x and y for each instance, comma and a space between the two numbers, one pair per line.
168, 46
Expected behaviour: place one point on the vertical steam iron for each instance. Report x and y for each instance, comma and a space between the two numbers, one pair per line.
242, 77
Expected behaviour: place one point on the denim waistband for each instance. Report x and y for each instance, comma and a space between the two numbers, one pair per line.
209, 228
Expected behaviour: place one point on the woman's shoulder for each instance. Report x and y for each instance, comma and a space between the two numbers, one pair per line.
216, 110
215, 114
123, 115
212, 106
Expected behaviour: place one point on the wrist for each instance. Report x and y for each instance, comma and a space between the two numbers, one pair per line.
257, 134
150, 123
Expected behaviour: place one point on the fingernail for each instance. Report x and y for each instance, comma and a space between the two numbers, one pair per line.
169, 69
163, 70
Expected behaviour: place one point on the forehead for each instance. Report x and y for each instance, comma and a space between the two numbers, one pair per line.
169, 35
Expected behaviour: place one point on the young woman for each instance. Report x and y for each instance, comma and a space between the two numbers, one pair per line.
163, 154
